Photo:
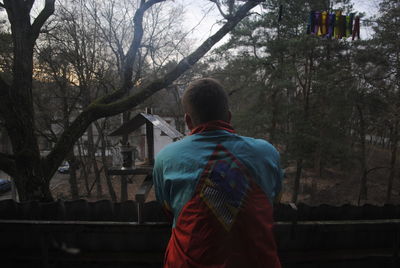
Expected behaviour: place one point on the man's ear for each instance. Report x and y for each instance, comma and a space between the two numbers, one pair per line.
229, 116
188, 121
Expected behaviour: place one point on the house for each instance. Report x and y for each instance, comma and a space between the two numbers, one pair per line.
162, 131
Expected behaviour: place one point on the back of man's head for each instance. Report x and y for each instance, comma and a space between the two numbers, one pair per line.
206, 100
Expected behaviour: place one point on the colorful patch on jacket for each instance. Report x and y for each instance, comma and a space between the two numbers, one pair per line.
224, 186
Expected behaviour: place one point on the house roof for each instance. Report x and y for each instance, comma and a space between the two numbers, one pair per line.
141, 119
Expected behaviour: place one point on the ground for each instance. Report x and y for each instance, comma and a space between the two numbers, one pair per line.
62, 190
337, 187
334, 187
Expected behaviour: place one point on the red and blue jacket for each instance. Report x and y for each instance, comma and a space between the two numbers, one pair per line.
218, 188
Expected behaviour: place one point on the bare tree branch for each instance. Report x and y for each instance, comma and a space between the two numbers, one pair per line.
132, 52
216, 2
166, 57
46, 12
100, 108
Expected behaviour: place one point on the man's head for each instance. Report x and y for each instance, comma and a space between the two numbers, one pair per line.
205, 100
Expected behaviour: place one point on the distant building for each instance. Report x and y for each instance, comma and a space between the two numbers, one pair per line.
164, 133
138, 139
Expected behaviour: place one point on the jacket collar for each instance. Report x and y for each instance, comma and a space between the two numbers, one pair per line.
213, 125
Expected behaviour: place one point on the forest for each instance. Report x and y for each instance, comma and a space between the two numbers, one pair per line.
78, 68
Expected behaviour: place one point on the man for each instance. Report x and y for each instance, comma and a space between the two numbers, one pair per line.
218, 188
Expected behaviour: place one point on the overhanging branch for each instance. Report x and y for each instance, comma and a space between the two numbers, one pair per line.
99, 109
46, 12
170, 77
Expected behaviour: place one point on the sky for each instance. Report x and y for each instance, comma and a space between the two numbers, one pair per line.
205, 11
201, 16
370, 8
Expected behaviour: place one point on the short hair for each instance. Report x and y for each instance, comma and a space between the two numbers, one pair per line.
206, 100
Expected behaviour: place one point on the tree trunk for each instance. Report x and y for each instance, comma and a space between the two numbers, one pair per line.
394, 145
30, 180
296, 187
124, 179
274, 115
110, 187
34, 188
85, 167
363, 193
92, 156
306, 87
73, 165
99, 187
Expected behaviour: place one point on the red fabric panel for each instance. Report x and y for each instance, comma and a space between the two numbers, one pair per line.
200, 240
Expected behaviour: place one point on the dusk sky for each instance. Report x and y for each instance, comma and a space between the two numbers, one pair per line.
201, 17
196, 10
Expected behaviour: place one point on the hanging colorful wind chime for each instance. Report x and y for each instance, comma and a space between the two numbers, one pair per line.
334, 25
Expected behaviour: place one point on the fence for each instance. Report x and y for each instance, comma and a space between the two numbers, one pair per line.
106, 234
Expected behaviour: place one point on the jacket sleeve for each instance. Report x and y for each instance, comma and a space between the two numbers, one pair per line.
162, 194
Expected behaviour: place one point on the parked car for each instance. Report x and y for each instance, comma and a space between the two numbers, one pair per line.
64, 168
5, 185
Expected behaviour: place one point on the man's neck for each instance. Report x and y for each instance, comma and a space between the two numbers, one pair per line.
212, 126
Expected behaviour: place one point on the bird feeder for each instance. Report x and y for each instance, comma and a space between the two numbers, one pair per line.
128, 152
